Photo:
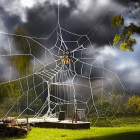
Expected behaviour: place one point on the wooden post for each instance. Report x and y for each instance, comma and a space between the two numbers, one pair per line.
76, 116
28, 126
75, 111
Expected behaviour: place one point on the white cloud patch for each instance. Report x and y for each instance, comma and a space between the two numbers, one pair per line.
28, 3
14, 7
127, 65
134, 76
93, 9
108, 51
103, 2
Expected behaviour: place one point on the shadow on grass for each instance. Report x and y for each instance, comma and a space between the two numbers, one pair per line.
12, 138
121, 136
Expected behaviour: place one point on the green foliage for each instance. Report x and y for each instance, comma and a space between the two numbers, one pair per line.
24, 46
22, 63
11, 89
6, 90
114, 121
131, 42
21, 42
131, 29
7, 104
36, 105
107, 107
133, 104
19, 30
123, 46
116, 39
117, 20
9, 93
127, 43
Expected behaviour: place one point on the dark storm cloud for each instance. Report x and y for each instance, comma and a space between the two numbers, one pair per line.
125, 2
41, 20
93, 19
78, 20
65, 11
9, 20
82, 21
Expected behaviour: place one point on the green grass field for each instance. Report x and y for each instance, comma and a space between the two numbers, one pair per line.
94, 133
126, 128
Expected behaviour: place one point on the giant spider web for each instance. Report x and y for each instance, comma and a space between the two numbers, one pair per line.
51, 86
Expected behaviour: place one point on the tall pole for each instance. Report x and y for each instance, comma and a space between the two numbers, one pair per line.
75, 110
48, 112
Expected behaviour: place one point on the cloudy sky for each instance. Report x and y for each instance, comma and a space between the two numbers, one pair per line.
90, 18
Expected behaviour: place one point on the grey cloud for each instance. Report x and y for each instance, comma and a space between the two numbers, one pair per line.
41, 20
92, 21
9, 20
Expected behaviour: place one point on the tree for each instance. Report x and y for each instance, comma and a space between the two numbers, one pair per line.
133, 104
24, 46
126, 42
21, 62
9, 93
10, 89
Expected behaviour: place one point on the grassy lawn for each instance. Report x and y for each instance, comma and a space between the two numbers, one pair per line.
94, 133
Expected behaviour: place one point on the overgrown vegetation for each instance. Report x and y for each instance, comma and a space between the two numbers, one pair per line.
133, 105
114, 121
11, 91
